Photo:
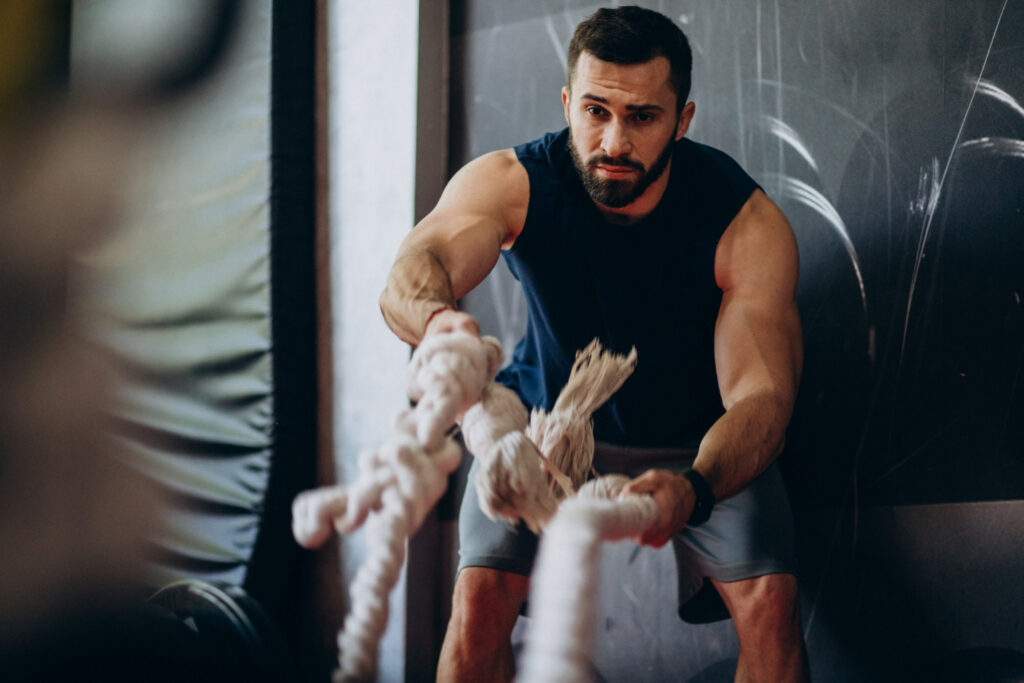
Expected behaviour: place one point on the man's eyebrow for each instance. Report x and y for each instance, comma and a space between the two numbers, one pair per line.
629, 107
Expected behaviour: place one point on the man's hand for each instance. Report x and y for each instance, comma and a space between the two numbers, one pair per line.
675, 498
451, 320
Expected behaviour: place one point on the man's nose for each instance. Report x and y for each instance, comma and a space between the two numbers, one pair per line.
615, 142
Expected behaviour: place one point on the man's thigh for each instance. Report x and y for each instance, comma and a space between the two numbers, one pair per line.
748, 535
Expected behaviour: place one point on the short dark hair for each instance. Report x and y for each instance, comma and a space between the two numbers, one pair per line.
634, 35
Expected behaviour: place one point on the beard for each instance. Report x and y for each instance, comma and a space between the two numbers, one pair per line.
616, 194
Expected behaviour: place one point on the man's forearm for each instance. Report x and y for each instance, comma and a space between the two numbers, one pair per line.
417, 286
743, 443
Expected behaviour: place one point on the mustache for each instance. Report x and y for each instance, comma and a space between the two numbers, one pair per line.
616, 161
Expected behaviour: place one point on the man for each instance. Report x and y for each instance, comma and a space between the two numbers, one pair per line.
620, 228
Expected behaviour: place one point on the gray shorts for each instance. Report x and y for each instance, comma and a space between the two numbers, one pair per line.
748, 535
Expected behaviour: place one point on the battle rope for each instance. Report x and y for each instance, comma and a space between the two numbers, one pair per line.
398, 482
450, 376
565, 578
566, 435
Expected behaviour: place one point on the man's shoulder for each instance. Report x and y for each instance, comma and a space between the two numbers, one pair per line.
493, 184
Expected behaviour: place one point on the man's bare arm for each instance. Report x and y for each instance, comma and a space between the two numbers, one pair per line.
758, 356
758, 347
481, 211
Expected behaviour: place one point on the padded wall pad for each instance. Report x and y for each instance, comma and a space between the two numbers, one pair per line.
182, 297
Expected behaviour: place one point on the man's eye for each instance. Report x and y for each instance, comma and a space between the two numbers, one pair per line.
644, 117
595, 111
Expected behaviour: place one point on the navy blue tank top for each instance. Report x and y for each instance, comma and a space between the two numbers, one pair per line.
650, 285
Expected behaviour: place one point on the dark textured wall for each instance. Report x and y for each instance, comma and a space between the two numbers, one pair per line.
892, 135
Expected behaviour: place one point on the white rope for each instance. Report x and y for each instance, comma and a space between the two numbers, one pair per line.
397, 485
450, 376
510, 482
565, 435
565, 578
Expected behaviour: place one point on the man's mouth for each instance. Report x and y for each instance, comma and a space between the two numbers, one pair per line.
614, 171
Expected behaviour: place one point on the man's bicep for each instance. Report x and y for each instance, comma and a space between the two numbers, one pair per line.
466, 246
757, 337
758, 348
478, 213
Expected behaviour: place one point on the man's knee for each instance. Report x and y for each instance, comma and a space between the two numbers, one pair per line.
765, 607
486, 602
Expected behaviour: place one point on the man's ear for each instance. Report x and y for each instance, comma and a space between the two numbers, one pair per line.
565, 102
685, 117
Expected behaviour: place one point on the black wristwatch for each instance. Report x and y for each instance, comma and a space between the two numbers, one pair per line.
705, 498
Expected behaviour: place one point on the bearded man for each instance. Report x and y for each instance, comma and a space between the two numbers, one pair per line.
619, 227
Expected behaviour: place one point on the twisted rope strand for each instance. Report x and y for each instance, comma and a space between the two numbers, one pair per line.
566, 435
511, 482
397, 484
565, 579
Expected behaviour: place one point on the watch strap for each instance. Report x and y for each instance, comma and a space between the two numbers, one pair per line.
705, 498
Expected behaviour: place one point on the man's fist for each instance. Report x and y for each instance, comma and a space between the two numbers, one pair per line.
675, 498
451, 320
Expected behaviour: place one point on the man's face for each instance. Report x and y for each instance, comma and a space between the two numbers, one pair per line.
622, 122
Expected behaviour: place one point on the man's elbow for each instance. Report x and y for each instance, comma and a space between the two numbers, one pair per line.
384, 302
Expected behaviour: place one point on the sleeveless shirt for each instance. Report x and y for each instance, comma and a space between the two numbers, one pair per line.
650, 284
